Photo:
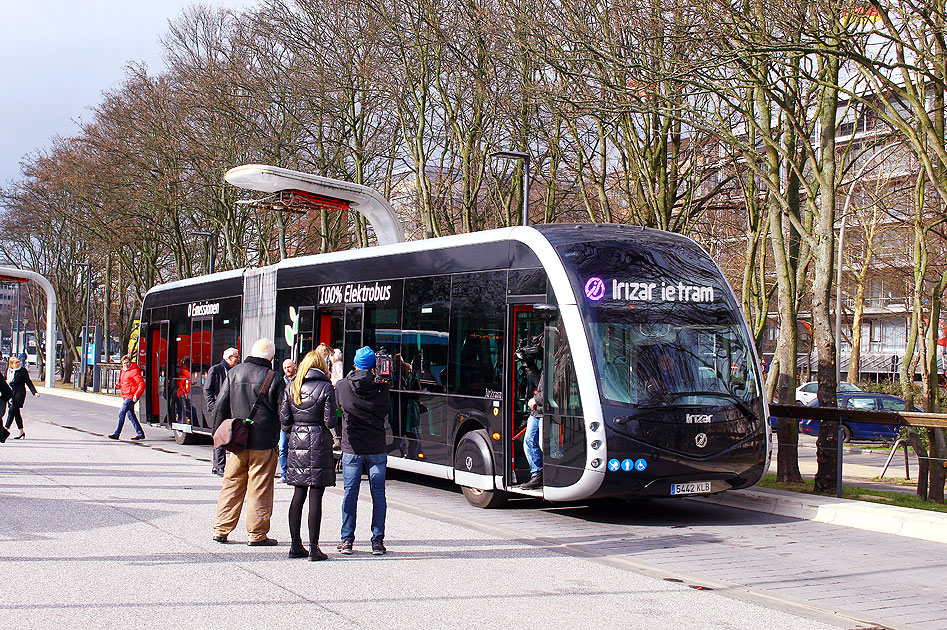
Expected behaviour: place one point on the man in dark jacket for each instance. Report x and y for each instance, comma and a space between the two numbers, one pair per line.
249, 473
364, 403
212, 386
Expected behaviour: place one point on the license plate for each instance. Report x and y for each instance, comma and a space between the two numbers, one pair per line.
694, 487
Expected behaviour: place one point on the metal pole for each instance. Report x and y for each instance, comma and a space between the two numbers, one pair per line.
907, 467
85, 335
838, 307
16, 318
210, 249
212, 252
519, 155
838, 486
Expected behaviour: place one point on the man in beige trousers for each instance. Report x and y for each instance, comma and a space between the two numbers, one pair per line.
249, 473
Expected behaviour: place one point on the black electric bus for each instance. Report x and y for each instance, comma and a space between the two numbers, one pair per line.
652, 384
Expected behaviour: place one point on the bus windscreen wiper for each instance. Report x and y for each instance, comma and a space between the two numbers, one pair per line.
745, 408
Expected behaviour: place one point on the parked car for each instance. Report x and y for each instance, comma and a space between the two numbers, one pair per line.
860, 431
807, 392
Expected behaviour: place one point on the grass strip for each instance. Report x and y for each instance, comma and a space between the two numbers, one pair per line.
859, 494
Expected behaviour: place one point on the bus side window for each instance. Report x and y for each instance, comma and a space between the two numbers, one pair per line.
425, 325
476, 332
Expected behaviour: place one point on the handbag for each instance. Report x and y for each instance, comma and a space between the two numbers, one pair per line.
233, 433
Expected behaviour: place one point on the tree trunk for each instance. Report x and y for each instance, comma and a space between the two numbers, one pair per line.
826, 478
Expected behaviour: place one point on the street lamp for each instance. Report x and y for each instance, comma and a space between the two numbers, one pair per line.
519, 155
210, 247
85, 332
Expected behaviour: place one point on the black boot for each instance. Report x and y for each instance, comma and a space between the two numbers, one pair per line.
535, 482
316, 554
296, 550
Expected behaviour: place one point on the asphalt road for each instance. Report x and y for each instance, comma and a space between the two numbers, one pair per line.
118, 534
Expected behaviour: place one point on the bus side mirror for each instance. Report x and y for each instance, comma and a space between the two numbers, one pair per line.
546, 312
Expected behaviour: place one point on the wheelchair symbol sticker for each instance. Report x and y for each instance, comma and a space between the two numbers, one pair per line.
640, 465
627, 465
614, 465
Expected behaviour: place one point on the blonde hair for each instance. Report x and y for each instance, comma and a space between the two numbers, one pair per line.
313, 359
14, 361
324, 350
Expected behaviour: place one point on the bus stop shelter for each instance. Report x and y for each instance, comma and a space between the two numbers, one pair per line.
12, 274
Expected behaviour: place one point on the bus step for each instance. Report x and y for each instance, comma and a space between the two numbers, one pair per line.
533, 493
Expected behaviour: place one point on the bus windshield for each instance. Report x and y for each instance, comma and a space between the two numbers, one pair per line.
663, 326
672, 363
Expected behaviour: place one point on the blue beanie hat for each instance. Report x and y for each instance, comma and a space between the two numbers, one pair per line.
364, 358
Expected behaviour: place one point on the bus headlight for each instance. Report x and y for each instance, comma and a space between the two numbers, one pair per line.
596, 444
596, 462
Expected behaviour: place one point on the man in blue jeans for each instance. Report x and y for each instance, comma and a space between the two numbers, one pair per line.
533, 436
282, 450
364, 403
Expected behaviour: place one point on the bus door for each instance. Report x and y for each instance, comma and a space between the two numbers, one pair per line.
179, 380
527, 328
354, 320
329, 326
158, 371
202, 334
305, 337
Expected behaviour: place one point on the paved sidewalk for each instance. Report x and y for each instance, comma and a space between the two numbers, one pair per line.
908, 522
110, 534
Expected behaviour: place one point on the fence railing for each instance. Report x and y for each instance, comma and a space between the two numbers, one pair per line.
914, 419
110, 375
909, 418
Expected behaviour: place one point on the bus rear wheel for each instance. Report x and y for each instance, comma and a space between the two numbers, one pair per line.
183, 438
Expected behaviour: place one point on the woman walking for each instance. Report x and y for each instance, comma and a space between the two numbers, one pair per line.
19, 379
307, 415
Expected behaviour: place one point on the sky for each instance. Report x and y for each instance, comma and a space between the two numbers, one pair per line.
58, 57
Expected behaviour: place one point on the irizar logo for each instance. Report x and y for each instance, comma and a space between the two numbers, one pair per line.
701, 440
698, 418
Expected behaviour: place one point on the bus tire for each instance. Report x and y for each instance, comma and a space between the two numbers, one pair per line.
183, 438
473, 454
485, 499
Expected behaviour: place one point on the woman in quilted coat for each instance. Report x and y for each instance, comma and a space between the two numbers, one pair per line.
308, 415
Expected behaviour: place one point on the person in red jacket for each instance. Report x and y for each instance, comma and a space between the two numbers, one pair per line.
132, 386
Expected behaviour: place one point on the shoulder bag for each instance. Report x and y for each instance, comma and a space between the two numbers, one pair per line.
232, 434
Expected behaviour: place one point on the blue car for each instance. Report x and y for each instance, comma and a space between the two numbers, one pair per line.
859, 431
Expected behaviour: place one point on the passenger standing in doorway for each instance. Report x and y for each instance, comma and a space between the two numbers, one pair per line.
364, 402
307, 416
336, 373
212, 386
289, 371
132, 386
19, 379
249, 473
533, 436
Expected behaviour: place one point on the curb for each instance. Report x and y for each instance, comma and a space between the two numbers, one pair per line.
886, 519
96, 399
